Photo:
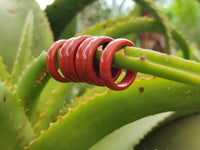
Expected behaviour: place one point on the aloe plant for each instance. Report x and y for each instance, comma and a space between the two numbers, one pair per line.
37, 112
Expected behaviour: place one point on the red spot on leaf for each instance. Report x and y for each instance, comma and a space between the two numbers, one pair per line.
141, 89
4, 98
143, 58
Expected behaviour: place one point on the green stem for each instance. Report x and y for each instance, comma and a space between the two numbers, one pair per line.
157, 64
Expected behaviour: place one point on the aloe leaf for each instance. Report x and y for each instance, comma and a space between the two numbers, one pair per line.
137, 11
179, 38
31, 84
194, 54
133, 25
70, 29
81, 89
60, 97
163, 22
88, 94
4, 75
99, 28
131, 36
44, 97
128, 26
180, 134
125, 137
13, 15
75, 90
106, 112
128, 136
139, 25
60, 13
15, 129
24, 51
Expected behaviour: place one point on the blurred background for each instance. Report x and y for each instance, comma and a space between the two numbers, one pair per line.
184, 14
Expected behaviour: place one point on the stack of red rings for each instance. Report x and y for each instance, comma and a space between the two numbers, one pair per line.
76, 58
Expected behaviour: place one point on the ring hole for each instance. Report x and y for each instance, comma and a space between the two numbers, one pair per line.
95, 64
121, 76
115, 71
57, 62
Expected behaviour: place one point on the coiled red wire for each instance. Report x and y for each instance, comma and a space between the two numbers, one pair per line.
75, 60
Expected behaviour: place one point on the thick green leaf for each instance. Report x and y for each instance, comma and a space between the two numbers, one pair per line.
24, 50
12, 15
102, 114
59, 98
81, 88
179, 38
15, 129
31, 84
100, 28
163, 22
61, 13
180, 134
70, 29
133, 25
88, 94
125, 137
44, 97
3, 71
128, 26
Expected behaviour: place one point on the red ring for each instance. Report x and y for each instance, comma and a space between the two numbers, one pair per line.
105, 66
61, 60
70, 56
76, 61
79, 58
88, 58
50, 61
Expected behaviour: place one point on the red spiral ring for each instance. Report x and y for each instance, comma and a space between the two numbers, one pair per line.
76, 57
50, 61
105, 66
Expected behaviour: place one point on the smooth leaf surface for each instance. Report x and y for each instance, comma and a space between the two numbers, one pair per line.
181, 134
127, 136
